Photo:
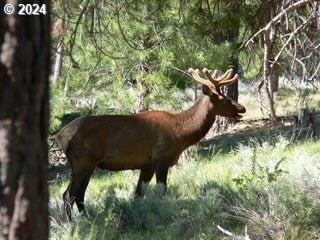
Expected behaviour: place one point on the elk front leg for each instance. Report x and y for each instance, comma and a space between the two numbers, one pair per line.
145, 177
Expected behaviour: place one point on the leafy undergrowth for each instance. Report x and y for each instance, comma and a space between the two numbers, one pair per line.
272, 189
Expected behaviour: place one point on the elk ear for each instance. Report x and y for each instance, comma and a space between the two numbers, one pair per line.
206, 90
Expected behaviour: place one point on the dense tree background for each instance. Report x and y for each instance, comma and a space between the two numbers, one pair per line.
24, 114
150, 44
129, 56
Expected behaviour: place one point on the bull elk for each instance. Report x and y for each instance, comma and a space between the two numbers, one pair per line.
151, 141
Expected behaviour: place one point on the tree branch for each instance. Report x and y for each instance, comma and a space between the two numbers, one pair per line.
276, 19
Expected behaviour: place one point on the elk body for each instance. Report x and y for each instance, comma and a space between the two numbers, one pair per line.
150, 141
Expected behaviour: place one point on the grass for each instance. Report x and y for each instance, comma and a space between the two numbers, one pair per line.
271, 188
261, 178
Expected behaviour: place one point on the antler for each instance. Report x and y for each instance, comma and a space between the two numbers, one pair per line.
195, 75
208, 83
223, 80
212, 81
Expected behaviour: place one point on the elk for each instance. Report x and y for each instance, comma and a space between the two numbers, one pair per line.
150, 141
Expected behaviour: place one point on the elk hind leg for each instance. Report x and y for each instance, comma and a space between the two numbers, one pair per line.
81, 192
76, 191
68, 202
161, 176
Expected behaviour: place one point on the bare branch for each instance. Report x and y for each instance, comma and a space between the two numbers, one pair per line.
291, 36
276, 19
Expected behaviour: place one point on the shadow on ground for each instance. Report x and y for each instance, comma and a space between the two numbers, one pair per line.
258, 133
162, 216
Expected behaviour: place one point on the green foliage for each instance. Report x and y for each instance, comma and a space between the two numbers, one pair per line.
59, 106
150, 42
259, 174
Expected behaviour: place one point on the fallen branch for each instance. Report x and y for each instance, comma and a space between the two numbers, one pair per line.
230, 234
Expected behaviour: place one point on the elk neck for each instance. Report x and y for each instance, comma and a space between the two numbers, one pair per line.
193, 124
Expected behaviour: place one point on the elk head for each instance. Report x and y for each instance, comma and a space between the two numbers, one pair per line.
223, 105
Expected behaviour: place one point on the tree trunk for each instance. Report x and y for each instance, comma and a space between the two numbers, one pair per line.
222, 123
94, 24
58, 63
275, 80
232, 36
268, 43
24, 114
59, 31
304, 119
231, 91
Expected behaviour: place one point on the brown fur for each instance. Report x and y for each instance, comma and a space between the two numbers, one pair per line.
150, 141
